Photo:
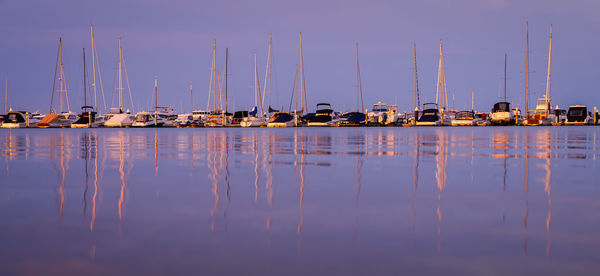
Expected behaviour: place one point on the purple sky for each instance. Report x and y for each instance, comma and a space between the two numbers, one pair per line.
173, 40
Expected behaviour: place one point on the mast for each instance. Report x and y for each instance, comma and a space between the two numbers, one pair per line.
54, 79
268, 76
94, 65
549, 66
191, 99
84, 80
505, 77
358, 85
226, 57
303, 104
472, 100
416, 88
441, 94
155, 93
257, 86
120, 88
212, 73
527, 72
60, 74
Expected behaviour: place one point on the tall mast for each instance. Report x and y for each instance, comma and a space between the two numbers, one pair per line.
84, 80
527, 72
60, 74
505, 77
441, 94
226, 56
549, 66
359, 97
257, 86
94, 65
268, 75
120, 88
212, 73
191, 99
472, 100
155, 93
303, 104
357, 81
416, 88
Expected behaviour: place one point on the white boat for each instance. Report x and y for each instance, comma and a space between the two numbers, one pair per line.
464, 118
502, 114
153, 119
117, 118
578, 115
184, 120
383, 115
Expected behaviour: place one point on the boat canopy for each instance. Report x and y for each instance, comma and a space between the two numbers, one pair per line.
577, 113
465, 115
501, 107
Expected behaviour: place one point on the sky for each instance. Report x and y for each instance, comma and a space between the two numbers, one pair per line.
173, 40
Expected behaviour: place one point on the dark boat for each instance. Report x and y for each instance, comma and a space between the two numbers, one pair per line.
352, 119
323, 116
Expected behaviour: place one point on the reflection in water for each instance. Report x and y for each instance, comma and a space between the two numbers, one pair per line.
263, 173
440, 176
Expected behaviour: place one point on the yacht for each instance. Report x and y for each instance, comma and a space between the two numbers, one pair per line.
502, 115
352, 119
430, 116
379, 115
464, 118
184, 120
14, 119
150, 119
324, 116
578, 115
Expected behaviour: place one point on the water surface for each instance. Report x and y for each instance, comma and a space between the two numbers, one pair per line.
300, 201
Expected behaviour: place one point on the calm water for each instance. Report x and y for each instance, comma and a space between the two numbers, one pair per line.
355, 201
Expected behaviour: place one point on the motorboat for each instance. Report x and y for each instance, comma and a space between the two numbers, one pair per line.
14, 119
502, 115
464, 118
87, 118
152, 119
430, 116
184, 120
352, 119
383, 115
324, 116
578, 115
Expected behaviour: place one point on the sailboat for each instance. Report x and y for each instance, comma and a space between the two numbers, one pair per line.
543, 113
295, 118
253, 118
161, 117
87, 118
432, 114
62, 118
356, 118
501, 114
117, 117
